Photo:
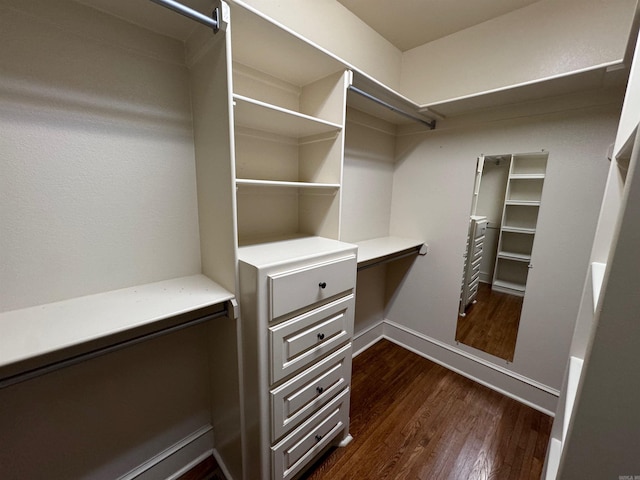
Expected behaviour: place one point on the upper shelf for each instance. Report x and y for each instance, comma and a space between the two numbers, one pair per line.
262, 116
279, 51
37, 331
603, 76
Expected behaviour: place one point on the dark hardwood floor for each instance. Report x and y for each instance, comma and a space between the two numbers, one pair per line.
413, 419
491, 324
205, 470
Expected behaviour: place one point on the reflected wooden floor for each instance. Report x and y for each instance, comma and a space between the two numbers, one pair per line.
413, 419
491, 324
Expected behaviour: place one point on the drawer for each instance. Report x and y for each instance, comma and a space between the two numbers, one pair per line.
295, 452
302, 287
481, 228
310, 336
304, 394
477, 245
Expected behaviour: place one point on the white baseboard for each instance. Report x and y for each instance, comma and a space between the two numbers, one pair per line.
364, 339
177, 459
496, 377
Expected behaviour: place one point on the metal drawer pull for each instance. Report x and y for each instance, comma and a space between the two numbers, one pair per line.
318, 438
319, 390
322, 284
321, 336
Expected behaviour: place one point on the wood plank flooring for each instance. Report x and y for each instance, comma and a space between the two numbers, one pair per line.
413, 419
491, 324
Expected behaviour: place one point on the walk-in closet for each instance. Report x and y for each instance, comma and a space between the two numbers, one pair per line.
210, 209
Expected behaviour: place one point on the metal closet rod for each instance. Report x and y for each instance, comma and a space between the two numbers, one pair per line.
431, 124
213, 21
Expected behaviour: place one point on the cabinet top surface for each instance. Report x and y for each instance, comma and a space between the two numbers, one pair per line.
286, 250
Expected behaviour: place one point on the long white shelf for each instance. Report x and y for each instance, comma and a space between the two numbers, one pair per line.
519, 257
508, 286
251, 113
32, 332
523, 203
597, 277
526, 176
575, 369
278, 183
377, 250
507, 228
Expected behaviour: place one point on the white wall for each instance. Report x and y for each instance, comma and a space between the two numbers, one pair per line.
102, 418
331, 26
545, 39
366, 204
432, 189
97, 170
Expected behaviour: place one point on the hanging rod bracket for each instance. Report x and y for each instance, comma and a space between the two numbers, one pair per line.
213, 22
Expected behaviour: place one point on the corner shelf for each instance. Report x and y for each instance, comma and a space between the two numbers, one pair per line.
34, 333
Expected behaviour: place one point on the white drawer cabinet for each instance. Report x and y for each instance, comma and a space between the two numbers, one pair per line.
297, 300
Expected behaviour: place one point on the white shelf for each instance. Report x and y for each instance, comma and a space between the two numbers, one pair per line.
382, 249
597, 277
262, 116
278, 183
523, 203
502, 285
35, 331
519, 257
553, 462
575, 369
526, 176
506, 228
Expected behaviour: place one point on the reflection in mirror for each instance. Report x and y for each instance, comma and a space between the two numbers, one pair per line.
502, 226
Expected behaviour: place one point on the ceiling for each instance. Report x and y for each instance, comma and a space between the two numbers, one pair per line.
410, 23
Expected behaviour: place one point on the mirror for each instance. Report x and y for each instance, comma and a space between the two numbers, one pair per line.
502, 227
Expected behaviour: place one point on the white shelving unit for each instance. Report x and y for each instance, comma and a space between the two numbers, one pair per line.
598, 363
288, 124
519, 220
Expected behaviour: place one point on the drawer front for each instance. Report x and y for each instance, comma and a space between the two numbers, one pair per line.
473, 291
306, 338
302, 287
308, 391
295, 452
477, 246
